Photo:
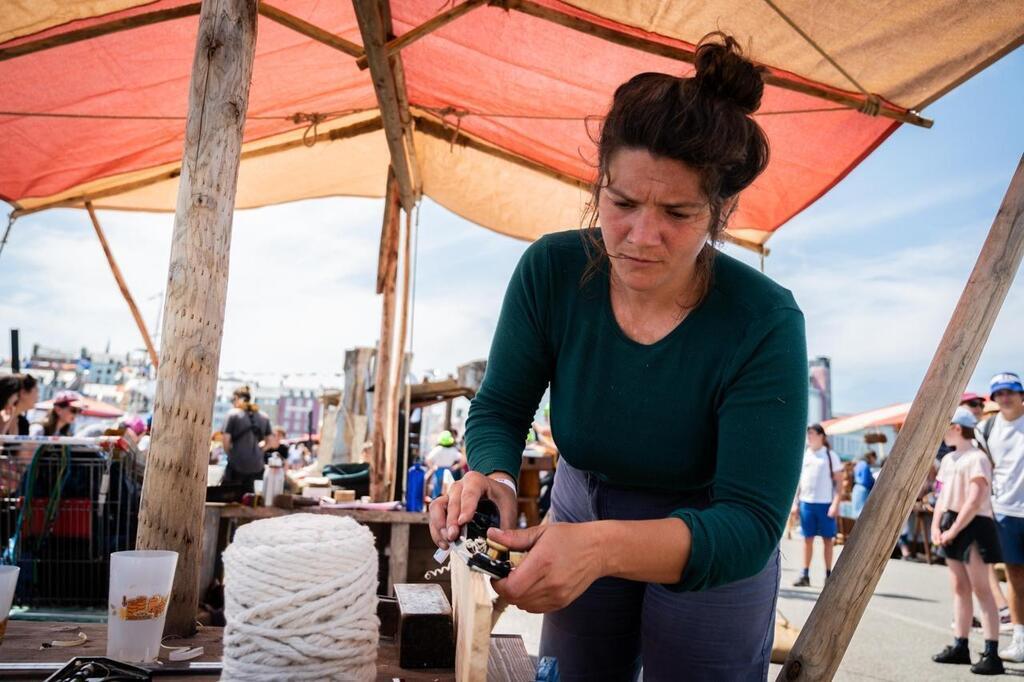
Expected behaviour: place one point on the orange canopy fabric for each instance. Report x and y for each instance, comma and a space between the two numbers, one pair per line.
505, 104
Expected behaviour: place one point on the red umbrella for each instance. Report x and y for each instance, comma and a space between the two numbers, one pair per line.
89, 407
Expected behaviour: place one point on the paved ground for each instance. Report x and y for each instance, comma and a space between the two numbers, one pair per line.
906, 622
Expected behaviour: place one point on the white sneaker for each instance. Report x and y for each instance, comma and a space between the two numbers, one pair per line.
1013, 653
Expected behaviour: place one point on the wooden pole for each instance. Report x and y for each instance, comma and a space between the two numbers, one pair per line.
426, 28
396, 117
398, 381
823, 641
174, 491
381, 468
310, 30
612, 35
101, 29
116, 271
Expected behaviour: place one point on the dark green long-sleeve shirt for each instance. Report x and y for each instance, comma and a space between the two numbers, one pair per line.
719, 403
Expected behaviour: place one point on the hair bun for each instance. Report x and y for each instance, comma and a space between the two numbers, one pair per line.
725, 74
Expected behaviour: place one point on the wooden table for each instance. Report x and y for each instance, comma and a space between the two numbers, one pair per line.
509, 661
398, 535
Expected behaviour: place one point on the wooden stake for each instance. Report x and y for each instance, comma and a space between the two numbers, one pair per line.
116, 271
381, 468
820, 647
174, 490
310, 30
102, 29
426, 28
403, 154
398, 381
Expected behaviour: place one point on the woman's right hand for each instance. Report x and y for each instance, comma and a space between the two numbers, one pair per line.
450, 512
936, 536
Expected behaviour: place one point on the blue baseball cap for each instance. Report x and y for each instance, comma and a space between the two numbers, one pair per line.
1007, 381
964, 417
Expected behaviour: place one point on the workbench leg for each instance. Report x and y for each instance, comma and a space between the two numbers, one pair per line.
208, 558
398, 561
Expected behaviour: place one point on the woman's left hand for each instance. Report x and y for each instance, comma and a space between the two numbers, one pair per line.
563, 560
947, 536
833, 510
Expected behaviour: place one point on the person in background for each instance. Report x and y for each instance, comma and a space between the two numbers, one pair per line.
1003, 436
445, 456
975, 403
217, 448
10, 387
61, 417
966, 534
818, 499
28, 396
863, 481
274, 443
244, 428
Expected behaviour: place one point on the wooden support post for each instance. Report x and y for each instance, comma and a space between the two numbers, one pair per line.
174, 491
426, 28
381, 468
398, 556
823, 641
386, 74
310, 30
353, 402
398, 386
116, 271
471, 604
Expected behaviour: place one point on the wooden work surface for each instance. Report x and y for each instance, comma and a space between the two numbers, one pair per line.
238, 511
509, 661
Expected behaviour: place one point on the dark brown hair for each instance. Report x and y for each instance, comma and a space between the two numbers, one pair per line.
702, 121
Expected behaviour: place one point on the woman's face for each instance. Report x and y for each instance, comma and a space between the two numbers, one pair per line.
654, 220
815, 440
67, 413
952, 435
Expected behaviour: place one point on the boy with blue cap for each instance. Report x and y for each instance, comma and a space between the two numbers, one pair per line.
1003, 436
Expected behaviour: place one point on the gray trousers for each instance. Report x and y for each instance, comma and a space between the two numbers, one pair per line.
618, 626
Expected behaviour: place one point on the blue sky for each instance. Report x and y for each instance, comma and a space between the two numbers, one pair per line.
877, 266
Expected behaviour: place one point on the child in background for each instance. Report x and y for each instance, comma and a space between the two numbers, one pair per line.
965, 531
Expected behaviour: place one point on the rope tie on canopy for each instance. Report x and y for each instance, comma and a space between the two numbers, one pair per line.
872, 104
314, 119
459, 114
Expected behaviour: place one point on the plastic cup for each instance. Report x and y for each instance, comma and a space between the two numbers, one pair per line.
8, 581
140, 590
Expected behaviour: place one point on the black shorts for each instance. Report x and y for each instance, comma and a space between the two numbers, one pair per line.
980, 532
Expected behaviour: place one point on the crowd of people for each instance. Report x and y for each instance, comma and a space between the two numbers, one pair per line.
976, 487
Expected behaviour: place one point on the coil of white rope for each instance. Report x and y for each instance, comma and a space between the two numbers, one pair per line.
300, 597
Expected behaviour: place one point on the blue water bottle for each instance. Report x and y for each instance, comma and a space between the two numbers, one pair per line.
414, 487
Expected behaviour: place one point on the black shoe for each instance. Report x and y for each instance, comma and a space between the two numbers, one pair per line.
802, 581
954, 654
988, 664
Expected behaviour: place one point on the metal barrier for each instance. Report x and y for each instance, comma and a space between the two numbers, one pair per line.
65, 505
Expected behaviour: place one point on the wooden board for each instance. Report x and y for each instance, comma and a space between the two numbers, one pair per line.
238, 511
509, 661
471, 601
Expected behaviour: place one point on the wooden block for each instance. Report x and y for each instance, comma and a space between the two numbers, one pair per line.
472, 605
426, 637
315, 492
344, 495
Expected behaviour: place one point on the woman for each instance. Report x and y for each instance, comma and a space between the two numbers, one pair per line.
27, 399
964, 528
678, 399
59, 419
863, 481
10, 387
818, 500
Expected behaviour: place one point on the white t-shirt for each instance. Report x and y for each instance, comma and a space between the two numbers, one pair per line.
442, 456
815, 481
953, 481
1006, 445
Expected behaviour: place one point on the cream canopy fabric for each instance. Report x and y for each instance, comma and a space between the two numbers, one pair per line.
505, 103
